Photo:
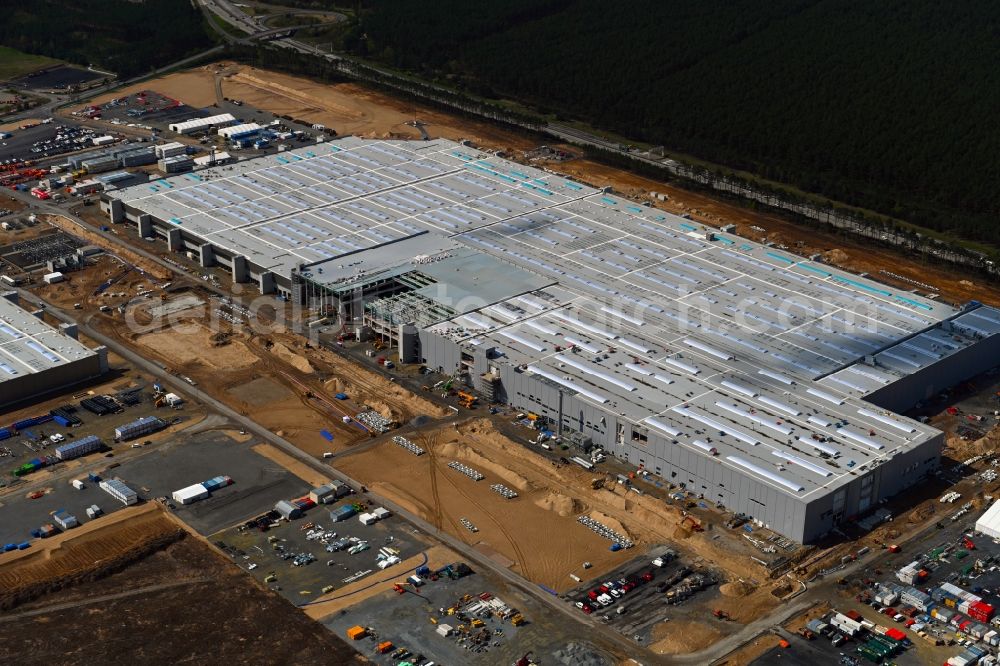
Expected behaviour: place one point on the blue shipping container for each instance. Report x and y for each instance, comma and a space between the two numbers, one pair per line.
327, 435
23, 423
341, 396
343, 513
9, 547
43, 419
4, 434
24, 545
61, 420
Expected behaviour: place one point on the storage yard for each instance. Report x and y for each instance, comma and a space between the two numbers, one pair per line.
477, 625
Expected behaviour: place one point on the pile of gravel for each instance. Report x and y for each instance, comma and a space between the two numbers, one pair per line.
581, 654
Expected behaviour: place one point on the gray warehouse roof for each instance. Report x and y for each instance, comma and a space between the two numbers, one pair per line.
728, 347
28, 345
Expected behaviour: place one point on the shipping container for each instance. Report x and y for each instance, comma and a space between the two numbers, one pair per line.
343, 513
217, 482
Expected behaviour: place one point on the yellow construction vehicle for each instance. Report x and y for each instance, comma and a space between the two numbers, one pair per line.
517, 619
476, 623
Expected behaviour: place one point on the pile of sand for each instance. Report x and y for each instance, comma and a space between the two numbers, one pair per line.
736, 588
458, 451
611, 523
561, 504
383, 409
683, 637
297, 361
835, 256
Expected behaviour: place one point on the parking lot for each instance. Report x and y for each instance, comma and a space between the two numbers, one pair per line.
46, 141
327, 544
157, 471
57, 77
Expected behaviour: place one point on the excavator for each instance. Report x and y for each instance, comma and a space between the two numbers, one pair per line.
466, 399
694, 524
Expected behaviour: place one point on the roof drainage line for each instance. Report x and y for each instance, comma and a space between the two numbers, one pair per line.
339, 201
970, 307
363, 249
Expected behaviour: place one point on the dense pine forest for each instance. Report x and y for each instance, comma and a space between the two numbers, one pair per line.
123, 36
888, 105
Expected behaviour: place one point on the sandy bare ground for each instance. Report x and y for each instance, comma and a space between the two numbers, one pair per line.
16, 124
188, 87
544, 515
191, 343
541, 516
683, 636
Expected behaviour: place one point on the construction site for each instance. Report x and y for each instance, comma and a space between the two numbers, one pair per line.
497, 481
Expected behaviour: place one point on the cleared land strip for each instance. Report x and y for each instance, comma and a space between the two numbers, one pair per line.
103, 598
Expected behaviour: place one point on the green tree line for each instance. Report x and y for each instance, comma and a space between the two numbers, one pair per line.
123, 36
888, 105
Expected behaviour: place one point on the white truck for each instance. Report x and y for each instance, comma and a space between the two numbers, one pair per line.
77, 483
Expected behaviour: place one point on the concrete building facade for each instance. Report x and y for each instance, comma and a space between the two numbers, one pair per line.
764, 382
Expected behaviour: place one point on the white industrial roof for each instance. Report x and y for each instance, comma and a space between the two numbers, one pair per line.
28, 345
194, 123
718, 342
207, 160
989, 522
190, 492
238, 129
